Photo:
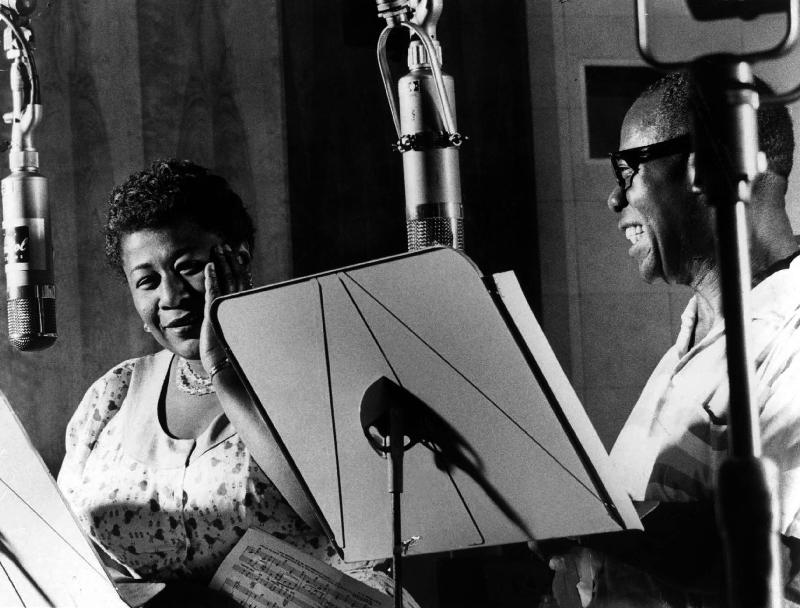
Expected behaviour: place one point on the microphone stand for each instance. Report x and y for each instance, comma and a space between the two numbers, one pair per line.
389, 415
727, 158
383, 419
727, 155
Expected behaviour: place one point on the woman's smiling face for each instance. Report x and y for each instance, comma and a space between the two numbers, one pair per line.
164, 268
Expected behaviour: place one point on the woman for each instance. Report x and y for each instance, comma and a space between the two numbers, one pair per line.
155, 470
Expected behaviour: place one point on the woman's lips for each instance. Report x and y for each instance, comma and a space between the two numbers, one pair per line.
184, 323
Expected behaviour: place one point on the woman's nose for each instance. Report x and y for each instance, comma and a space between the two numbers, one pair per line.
616, 200
173, 291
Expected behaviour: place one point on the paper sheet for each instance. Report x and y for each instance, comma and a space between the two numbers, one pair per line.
45, 557
264, 572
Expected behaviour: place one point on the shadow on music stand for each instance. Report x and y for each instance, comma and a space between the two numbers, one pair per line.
389, 415
428, 330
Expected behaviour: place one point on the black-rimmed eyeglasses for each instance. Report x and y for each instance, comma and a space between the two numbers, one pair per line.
626, 162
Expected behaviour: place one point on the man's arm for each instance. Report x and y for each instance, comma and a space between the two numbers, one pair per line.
681, 548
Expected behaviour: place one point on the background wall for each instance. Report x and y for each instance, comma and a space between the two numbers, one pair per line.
346, 185
347, 202
284, 99
124, 82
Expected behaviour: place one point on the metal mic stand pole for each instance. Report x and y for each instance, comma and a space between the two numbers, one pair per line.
383, 419
394, 420
727, 160
396, 450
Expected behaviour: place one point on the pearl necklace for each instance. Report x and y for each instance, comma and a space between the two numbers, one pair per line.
189, 381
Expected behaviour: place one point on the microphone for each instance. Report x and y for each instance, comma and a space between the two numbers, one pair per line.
424, 119
30, 284
434, 212
710, 10
27, 242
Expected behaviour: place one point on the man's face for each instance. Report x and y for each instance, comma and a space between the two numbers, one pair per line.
668, 228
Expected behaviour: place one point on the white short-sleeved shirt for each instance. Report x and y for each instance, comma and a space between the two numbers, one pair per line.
676, 435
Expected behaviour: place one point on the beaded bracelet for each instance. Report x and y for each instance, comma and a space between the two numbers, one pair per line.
215, 369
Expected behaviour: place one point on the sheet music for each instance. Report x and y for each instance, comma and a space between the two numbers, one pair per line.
265, 572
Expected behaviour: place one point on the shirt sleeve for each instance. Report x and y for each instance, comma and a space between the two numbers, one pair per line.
780, 437
99, 405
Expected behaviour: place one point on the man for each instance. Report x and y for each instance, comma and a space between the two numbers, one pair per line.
676, 436
671, 228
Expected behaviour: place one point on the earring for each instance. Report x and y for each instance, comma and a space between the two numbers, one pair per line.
146, 329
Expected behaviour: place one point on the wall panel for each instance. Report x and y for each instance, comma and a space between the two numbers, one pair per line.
608, 318
124, 82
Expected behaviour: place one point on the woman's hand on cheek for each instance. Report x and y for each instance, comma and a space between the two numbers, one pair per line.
233, 268
227, 272
211, 352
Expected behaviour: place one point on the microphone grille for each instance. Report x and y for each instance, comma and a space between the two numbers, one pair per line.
31, 323
426, 232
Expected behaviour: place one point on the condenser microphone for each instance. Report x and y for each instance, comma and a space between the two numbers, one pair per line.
30, 284
27, 242
434, 212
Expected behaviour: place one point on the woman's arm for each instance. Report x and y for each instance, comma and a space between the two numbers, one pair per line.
260, 439
228, 272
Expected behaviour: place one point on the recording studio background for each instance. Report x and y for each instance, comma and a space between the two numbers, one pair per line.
284, 99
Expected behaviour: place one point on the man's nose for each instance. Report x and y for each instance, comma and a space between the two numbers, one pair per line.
616, 200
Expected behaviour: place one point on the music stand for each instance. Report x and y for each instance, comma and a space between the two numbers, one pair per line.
45, 557
467, 347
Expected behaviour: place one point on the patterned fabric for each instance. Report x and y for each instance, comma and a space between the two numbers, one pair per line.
165, 508
676, 435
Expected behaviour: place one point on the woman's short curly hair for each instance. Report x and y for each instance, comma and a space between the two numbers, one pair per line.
171, 191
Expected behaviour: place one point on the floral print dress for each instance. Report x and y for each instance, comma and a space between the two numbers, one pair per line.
163, 508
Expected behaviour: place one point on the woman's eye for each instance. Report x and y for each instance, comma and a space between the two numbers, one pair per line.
146, 282
192, 267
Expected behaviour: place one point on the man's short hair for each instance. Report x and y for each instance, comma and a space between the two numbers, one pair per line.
673, 115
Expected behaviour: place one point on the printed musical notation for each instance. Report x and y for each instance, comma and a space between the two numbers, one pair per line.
264, 572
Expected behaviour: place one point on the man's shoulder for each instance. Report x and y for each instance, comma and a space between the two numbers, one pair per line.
778, 296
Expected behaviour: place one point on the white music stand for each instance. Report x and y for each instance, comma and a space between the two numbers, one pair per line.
45, 557
469, 348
